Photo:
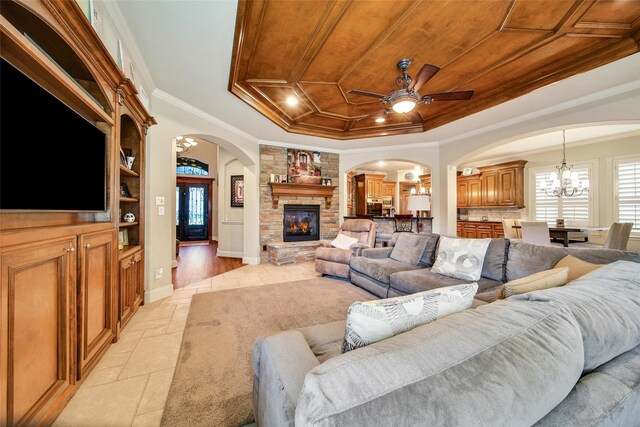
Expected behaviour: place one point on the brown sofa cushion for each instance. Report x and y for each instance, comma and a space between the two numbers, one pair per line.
334, 254
577, 267
536, 282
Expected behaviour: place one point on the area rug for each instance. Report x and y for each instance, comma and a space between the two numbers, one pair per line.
213, 380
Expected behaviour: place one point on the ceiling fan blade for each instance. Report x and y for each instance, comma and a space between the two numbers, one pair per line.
365, 93
459, 95
424, 75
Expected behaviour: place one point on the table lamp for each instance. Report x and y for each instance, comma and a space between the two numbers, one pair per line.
418, 203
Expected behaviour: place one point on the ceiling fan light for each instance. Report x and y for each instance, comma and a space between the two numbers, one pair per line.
404, 106
380, 120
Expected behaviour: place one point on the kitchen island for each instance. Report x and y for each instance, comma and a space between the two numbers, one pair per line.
387, 226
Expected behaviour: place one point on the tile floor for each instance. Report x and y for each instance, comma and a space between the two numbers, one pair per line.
129, 386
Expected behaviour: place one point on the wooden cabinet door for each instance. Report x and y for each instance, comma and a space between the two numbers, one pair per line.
469, 231
459, 231
475, 193
389, 189
484, 231
371, 189
489, 185
96, 296
506, 191
463, 194
36, 324
361, 196
138, 286
498, 231
126, 284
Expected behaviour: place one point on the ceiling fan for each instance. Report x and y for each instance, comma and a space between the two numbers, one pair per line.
406, 97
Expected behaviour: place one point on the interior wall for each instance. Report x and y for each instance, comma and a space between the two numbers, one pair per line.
230, 220
176, 118
207, 152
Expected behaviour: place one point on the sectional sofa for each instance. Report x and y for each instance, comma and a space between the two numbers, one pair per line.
562, 356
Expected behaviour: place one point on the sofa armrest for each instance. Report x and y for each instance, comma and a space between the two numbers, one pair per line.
357, 248
325, 243
377, 253
280, 364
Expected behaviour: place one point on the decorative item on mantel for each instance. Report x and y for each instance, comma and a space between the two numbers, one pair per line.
305, 190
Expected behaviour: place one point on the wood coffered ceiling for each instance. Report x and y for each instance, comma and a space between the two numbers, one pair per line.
319, 50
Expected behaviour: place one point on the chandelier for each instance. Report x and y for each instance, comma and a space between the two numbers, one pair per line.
184, 145
565, 182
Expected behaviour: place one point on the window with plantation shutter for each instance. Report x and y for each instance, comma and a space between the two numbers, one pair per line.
627, 192
576, 210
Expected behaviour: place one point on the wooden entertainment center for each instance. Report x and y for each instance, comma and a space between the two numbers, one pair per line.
66, 289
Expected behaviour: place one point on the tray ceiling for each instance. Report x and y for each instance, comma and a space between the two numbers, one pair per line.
316, 51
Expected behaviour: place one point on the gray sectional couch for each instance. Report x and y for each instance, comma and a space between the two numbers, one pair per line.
559, 357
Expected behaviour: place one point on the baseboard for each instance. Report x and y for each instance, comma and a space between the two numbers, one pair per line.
230, 254
157, 294
174, 263
250, 260
213, 239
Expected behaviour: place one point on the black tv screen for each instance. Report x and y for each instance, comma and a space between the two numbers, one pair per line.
51, 158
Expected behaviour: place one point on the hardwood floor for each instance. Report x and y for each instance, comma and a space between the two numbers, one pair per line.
198, 261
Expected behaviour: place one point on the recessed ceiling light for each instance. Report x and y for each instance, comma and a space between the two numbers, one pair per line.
381, 163
292, 100
380, 120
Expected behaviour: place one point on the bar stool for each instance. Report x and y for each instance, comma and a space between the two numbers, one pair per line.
403, 223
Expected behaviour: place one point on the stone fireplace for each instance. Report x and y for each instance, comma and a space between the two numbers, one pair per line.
273, 160
301, 223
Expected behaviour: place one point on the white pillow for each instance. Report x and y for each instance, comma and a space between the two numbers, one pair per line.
460, 258
343, 241
372, 321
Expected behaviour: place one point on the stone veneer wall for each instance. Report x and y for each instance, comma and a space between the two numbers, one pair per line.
273, 160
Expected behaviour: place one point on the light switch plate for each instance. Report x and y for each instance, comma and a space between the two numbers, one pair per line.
159, 273
159, 201
160, 210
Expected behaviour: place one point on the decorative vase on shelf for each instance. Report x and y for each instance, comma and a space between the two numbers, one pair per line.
129, 217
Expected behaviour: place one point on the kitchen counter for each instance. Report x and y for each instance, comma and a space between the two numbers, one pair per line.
386, 217
479, 220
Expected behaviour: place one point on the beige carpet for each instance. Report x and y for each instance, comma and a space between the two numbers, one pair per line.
213, 379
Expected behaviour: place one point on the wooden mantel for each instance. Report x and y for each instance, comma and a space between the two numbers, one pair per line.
309, 190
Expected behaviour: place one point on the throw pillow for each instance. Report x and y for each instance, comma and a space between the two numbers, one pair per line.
343, 242
460, 258
409, 248
577, 267
372, 321
536, 282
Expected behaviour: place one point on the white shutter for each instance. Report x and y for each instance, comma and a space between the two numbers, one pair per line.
546, 206
628, 192
575, 209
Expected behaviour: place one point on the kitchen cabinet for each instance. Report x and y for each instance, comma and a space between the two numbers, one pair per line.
368, 186
469, 192
96, 296
37, 329
479, 229
389, 188
499, 185
131, 286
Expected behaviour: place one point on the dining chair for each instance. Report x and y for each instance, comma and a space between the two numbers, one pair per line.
509, 231
618, 236
518, 223
536, 232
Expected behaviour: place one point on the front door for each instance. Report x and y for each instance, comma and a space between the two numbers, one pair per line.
192, 213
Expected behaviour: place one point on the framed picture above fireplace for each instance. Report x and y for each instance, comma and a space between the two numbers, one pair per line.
237, 191
303, 167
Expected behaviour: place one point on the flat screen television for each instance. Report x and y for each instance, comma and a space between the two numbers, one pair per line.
60, 152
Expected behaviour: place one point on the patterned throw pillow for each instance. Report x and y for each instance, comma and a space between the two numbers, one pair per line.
460, 258
372, 321
536, 282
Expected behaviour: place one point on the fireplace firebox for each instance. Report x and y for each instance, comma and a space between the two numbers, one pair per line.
301, 223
